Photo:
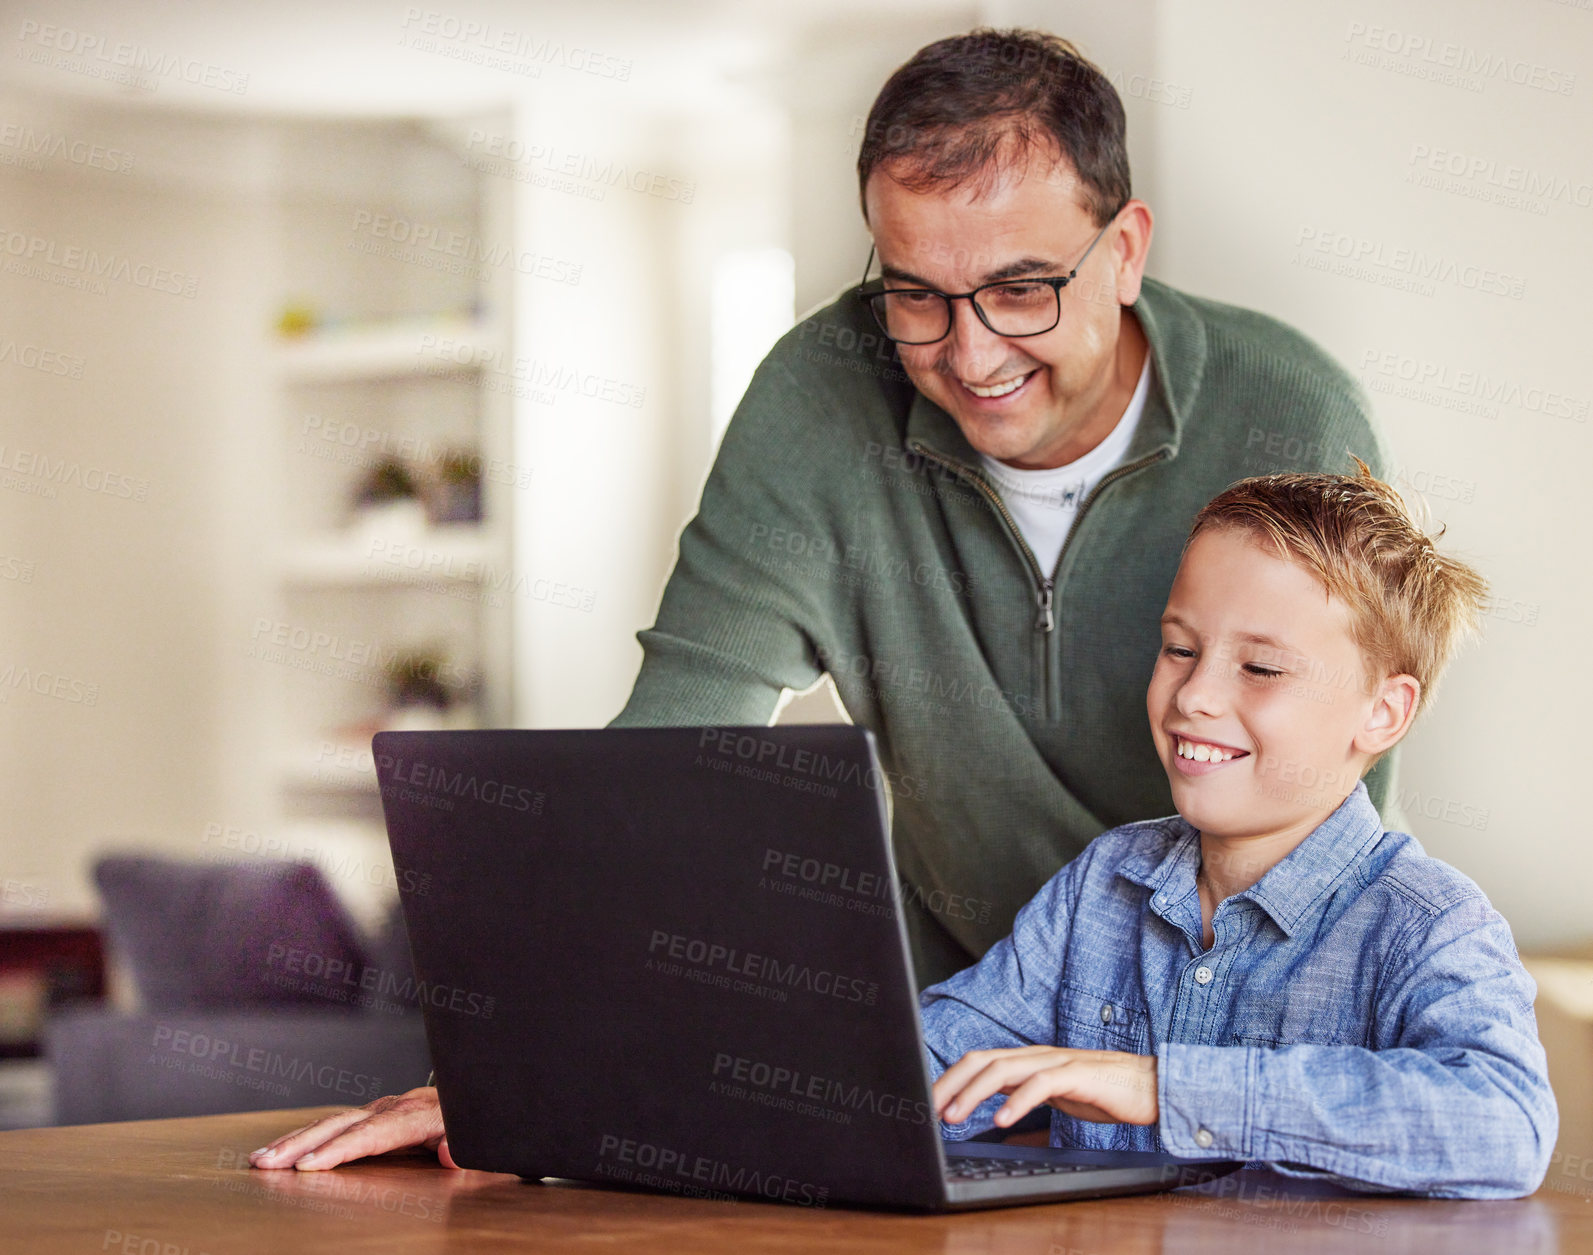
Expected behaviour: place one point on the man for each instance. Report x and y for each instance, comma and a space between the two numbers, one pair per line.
962, 491
974, 530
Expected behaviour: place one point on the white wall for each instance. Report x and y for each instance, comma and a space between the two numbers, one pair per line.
1286, 140
1248, 126
121, 653
601, 470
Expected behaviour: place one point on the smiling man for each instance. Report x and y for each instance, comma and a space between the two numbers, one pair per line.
1034, 383
961, 489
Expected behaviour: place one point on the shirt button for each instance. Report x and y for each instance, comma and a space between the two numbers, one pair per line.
1106, 1014
1203, 1138
1202, 975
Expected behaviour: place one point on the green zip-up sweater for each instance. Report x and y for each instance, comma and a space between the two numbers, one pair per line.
847, 527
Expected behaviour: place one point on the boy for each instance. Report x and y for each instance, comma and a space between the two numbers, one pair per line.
1269, 975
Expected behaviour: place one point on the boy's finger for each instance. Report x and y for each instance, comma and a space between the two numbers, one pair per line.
997, 1076
970, 1065
962, 1094
1059, 1081
956, 1077
950, 1082
947, 1087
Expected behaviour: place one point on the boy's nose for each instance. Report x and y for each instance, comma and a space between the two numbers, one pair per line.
1199, 694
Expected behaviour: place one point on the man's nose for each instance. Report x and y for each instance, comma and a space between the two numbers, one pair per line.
975, 350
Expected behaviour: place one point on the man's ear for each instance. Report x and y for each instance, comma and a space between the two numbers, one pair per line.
1131, 248
1394, 706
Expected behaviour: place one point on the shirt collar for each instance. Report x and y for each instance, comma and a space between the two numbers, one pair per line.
1177, 337
1299, 884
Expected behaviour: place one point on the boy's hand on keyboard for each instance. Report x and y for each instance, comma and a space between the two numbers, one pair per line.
1109, 1086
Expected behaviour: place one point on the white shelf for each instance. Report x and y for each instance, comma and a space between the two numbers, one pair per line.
332, 765
389, 350
456, 555
391, 383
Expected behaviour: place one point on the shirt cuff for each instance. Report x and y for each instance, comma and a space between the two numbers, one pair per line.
1205, 1093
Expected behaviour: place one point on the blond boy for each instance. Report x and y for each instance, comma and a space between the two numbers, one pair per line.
1269, 975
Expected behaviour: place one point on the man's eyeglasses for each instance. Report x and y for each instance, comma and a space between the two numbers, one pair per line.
1014, 307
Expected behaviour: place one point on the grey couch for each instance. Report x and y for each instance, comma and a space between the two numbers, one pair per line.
256, 992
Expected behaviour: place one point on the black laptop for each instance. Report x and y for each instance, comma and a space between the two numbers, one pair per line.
674, 959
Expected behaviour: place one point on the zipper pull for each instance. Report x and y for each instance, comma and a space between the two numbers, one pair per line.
1045, 622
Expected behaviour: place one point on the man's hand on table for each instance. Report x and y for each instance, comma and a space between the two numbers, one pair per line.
391, 1123
1109, 1086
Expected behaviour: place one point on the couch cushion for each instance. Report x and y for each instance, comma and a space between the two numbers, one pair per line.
109, 1066
206, 935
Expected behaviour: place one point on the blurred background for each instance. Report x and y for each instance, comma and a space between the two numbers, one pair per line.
360, 364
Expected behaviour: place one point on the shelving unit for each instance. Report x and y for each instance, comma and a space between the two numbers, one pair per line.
384, 350
444, 553
398, 360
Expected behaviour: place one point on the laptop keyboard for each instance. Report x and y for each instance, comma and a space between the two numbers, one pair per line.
967, 1168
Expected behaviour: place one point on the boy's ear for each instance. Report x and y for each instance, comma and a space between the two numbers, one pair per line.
1393, 708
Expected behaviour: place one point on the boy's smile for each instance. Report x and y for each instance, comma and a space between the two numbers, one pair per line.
1195, 757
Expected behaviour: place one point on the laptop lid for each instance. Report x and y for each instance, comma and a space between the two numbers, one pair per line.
668, 957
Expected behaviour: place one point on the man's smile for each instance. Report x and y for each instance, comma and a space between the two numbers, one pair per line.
1005, 387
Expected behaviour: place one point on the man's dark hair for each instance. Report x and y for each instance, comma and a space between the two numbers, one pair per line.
969, 107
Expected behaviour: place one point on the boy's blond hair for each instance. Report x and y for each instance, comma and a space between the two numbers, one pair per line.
1410, 605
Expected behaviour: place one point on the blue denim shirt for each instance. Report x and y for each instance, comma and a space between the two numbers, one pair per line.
1362, 1014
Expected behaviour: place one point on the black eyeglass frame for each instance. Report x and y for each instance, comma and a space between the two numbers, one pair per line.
1055, 282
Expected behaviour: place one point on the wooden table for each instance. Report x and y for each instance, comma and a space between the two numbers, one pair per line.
182, 1187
